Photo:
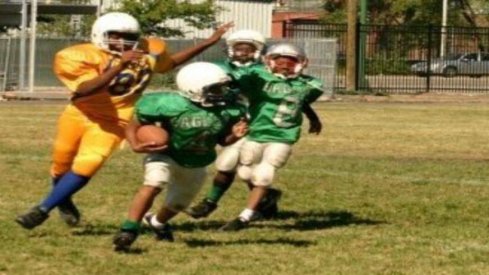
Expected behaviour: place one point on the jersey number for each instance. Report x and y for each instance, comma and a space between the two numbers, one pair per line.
286, 112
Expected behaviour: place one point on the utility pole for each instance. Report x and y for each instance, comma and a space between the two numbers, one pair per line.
351, 55
22, 57
32, 48
362, 45
443, 40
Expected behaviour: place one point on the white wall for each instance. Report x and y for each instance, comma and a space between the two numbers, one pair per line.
245, 15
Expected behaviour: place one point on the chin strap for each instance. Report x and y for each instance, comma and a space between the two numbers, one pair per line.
239, 64
297, 70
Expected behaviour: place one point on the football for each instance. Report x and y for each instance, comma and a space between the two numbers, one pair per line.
152, 45
152, 133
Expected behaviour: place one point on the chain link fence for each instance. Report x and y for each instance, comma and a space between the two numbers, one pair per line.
320, 51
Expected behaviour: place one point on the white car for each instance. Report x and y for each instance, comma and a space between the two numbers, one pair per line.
471, 64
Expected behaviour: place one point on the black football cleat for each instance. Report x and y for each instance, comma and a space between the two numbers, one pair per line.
69, 213
162, 234
268, 206
234, 225
124, 239
202, 209
32, 218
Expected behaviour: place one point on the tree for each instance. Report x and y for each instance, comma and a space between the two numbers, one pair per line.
151, 14
63, 25
407, 12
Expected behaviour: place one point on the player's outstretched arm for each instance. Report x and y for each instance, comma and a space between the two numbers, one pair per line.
315, 125
186, 54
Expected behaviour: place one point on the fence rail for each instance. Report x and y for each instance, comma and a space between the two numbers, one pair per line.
321, 53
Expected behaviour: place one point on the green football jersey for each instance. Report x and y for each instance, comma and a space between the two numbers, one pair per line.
194, 130
236, 72
275, 104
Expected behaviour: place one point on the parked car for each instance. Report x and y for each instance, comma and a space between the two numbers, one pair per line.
471, 64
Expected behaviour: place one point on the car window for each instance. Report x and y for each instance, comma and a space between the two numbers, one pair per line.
471, 57
454, 56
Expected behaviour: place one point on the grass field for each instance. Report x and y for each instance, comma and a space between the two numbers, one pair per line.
387, 188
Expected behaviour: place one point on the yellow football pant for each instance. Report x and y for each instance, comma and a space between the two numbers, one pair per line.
83, 144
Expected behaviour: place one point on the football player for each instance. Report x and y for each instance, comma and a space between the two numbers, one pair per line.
198, 117
277, 95
105, 78
244, 49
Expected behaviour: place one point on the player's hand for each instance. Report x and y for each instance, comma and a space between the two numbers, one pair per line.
131, 57
315, 127
220, 31
148, 147
240, 129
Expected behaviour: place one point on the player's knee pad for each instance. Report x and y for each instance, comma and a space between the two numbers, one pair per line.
227, 159
244, 172
277, 154
62, 160
250, 153
156, 174
263, 174
88, 165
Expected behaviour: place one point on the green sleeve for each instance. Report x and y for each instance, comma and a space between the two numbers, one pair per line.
156, 107
315, 89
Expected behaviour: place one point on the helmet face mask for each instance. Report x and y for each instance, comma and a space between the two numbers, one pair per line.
245, 37
285, 60
119, 41
116, 32
243, 53
204, 83
215, 94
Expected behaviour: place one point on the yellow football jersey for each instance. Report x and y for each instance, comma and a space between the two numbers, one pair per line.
77, 64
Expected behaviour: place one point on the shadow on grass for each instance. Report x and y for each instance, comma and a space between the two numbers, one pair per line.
98, 229
314, 220
311, 220
281, 241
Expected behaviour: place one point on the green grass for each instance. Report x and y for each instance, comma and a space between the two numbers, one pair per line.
387, 188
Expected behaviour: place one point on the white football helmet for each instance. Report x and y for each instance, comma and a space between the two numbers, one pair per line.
204, 83
246, 36
114, 22
286, 49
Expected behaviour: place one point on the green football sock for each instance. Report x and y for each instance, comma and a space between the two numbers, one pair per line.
129, 225
216, 192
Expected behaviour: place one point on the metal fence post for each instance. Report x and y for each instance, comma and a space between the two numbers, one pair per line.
428, 61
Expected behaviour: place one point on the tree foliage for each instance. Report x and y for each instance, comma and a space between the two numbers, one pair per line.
63, 25
152, 14
408, 12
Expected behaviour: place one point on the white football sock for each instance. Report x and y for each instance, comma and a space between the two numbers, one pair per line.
246, 215
155, 223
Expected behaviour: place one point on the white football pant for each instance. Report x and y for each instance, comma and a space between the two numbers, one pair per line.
228, 158
182, 183
259, 161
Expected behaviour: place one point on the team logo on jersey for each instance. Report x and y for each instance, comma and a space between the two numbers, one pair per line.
277, 88
131, 80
